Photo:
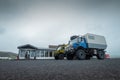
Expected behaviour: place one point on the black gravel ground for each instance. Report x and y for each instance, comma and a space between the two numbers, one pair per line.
94, 69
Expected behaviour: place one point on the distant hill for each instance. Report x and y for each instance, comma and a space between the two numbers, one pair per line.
8, 54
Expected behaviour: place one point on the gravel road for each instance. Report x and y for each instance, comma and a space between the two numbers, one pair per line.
108, 69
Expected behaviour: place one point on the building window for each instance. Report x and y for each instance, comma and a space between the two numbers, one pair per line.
50, 53
32, 53
42, 53
22, 53
37, 53
46, 53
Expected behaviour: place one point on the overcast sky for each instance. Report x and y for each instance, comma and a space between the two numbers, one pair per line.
42, 22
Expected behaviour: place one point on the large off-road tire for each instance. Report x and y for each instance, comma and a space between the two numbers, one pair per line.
101, 54
69, 56
61, 56
81, 55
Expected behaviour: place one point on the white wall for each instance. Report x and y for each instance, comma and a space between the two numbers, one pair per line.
40, 54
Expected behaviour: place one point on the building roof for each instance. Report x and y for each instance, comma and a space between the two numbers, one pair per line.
53, 46
27, 46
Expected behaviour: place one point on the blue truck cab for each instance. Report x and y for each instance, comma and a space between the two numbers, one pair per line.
78, 42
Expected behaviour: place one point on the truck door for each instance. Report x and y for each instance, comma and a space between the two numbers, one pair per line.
83, 42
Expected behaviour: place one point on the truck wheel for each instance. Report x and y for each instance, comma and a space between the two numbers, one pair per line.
69, 57
61, 56
101, 55
81, 55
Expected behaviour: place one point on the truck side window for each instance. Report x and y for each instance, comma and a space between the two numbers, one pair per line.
82, 39
91, 37
69, 42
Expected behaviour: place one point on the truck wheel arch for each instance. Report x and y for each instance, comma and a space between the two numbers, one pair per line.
80, 48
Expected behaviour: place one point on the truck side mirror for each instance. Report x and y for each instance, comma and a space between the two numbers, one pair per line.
78, 40
69, 42
81, 38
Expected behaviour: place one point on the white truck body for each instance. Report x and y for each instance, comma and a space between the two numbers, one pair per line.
95, 41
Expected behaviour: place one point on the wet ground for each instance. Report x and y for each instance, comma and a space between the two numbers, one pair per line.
108, 69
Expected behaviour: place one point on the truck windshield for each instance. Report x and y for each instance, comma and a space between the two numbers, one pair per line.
75, 40
59, 48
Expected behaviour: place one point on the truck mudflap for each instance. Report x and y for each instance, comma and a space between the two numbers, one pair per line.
107, 56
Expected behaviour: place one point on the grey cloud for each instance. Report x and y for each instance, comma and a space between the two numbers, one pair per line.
2, 30
54, 21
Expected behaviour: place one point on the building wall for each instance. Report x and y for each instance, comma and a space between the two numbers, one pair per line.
36, 53
5, 58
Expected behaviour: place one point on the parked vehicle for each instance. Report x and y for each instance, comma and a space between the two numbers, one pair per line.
86, 46
60, 52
